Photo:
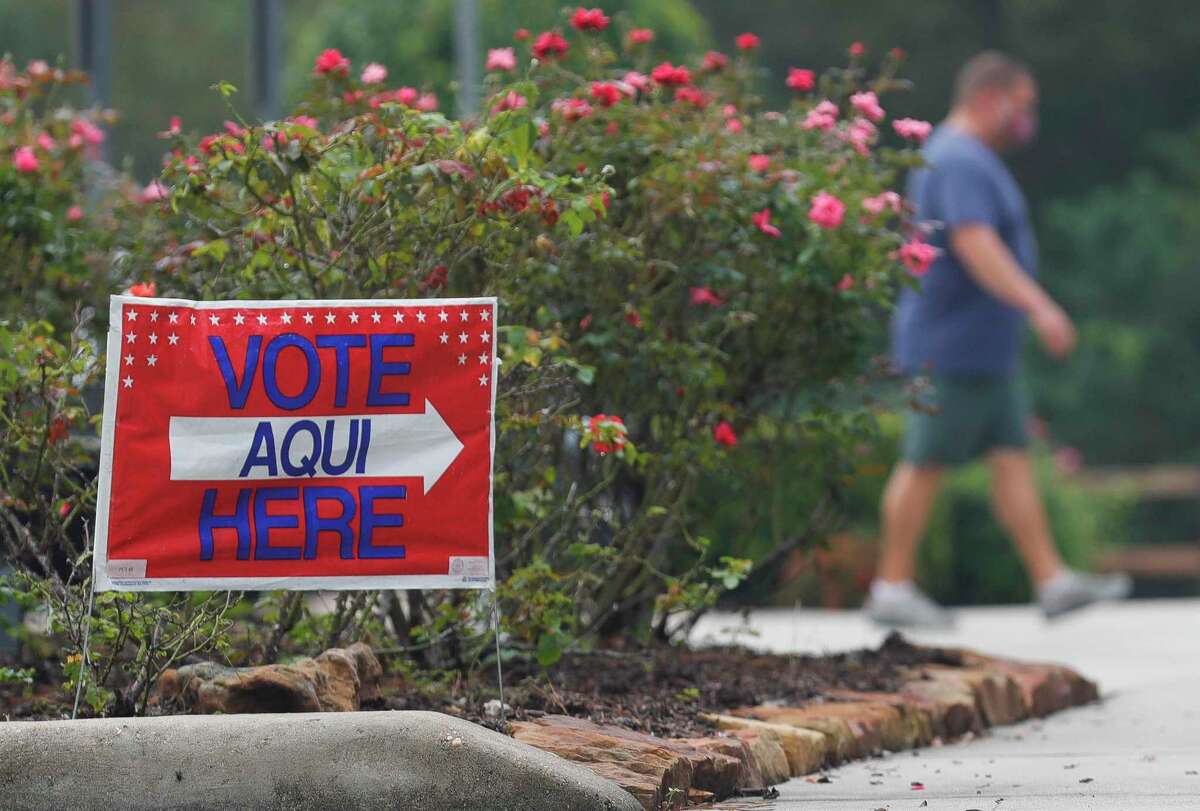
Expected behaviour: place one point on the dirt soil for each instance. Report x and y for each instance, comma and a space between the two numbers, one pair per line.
664, 691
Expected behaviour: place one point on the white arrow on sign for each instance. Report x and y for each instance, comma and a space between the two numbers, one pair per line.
401, 445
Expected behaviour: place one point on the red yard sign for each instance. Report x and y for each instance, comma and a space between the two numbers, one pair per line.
297, 445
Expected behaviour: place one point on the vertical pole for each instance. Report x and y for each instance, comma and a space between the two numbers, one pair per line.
466, 55
499, 665
93, 45
266, 25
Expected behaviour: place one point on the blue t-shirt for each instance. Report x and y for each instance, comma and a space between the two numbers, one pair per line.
951, 325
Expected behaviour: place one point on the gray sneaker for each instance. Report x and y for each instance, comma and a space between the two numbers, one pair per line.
906, 607
1072, 590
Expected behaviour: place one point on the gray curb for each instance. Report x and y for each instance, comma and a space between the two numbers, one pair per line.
358, 760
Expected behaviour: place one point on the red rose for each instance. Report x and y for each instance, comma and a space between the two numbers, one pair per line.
724, 434
589, 19
640, 36
705, 296
747, 41
606, 93
521, 34
856, 49
549, 45
331, 61
668, 74
801, 79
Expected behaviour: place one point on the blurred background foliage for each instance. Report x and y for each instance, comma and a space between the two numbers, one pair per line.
1112, 180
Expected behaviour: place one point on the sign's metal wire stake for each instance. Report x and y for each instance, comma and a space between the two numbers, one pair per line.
87, 634
499, 666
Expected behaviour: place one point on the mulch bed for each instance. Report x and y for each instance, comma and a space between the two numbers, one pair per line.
664, 691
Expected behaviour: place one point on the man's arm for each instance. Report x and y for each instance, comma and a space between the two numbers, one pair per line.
994, 268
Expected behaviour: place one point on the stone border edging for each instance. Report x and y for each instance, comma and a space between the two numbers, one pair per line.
769, 744
331, 760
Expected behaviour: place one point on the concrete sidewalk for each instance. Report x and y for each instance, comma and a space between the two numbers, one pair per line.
1137, 751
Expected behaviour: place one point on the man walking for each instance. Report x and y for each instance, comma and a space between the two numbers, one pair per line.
963, 329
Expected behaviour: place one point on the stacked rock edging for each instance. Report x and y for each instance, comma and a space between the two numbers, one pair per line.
760, 746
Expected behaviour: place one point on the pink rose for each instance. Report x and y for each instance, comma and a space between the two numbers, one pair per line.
883, 201
501, 59
693, 96
640, 36
826, 211
375, 73
153, 193
917, 256
427, 103
912, 128
638, 82
511, 100
571, 109
856, 49
74, 214
762, 221
822, 117
87, 131
705, 296
331, 61
845, 283
24, 160
801, 79
760, 163
714, 61
867, 103
45, 142
747, 41
860, 135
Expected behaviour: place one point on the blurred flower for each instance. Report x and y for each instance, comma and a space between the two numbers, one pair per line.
724, 434
861, 134
501, 59
549, 44
24, 160
714, 61
826, 210
640, 36
607, 93
427, 103
58, 431
331, 61
375, 73
856, 49
639, 82
571, 109
822, 117
705, 296
882, 201
912, 128
747, 41
760, 163
45, 142
693, 96
589, 19
801, 79
762, 221
867, 103
521, 34
511, 100
733, 125
86, 132
845, 283
668, 74
74, 214
153, 193
917, 256
606, 434
173, 128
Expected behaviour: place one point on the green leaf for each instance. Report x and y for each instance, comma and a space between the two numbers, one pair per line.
218, 249
549, 649
224, 88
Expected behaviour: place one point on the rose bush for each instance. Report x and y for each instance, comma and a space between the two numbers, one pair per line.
680, 272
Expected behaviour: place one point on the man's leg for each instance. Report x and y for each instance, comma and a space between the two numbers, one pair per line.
1020, 511
907, 501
